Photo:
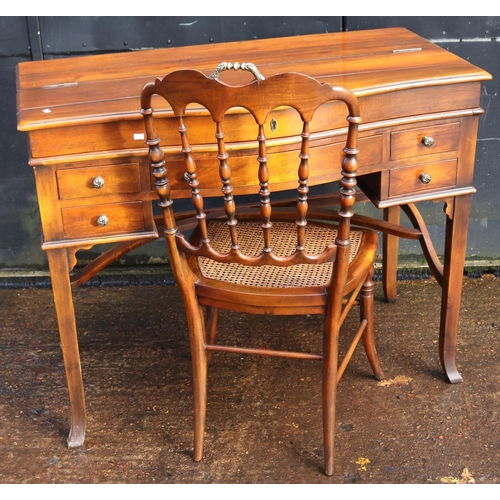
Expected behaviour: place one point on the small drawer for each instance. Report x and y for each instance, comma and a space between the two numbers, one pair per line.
102, 220
98, 181
419, 178
424, 141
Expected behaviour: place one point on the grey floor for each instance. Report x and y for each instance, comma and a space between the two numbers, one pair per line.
264, 414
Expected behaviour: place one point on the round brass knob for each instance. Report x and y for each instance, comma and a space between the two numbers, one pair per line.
102, 220
427, 141
425, 178
98, 182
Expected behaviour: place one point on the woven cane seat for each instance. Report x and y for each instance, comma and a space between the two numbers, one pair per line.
284, 241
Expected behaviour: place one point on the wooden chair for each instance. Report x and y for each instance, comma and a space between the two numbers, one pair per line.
255, 257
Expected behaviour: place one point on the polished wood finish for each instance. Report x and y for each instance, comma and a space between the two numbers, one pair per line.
265, 236
82, 116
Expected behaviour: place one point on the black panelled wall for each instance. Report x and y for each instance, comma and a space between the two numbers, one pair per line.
476, 39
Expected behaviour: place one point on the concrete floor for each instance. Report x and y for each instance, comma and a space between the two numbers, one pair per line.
264, 414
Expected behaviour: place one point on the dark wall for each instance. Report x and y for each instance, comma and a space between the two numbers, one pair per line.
476, 39
79, 35
19, 221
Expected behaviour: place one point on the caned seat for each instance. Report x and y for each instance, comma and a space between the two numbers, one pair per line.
247, 253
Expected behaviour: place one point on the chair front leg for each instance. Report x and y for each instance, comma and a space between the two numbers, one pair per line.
330, 368
199, 365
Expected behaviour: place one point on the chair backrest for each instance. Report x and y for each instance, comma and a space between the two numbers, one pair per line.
226, 166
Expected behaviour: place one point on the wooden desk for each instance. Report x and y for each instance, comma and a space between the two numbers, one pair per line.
420, 110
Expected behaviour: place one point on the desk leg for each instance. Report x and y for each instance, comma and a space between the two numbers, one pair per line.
63, 299
390, 256
454, 258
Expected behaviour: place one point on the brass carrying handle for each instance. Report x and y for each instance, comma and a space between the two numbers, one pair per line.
223, 66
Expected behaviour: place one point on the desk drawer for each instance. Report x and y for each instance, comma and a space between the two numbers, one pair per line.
425, 141
103, 220
98, 181
420, 178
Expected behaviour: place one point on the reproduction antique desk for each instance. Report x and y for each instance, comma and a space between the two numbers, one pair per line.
419, 108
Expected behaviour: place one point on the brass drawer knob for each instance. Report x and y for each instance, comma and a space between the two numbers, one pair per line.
425, 178
427, 141
102, 220
98, 182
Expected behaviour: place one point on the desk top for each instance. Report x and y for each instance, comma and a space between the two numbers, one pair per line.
106, 88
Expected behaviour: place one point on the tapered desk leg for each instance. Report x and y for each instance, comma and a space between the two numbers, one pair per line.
454, 258
390, 256
63, 298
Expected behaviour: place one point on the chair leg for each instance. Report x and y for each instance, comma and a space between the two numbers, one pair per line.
366, 311
211, 326
330, 366
199, 366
